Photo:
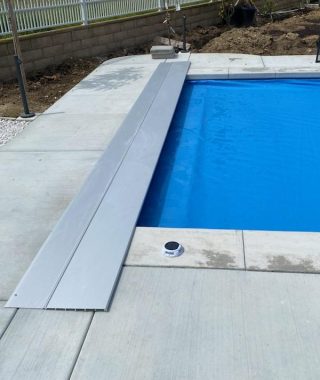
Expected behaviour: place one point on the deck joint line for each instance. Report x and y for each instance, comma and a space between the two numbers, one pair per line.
244, 251
81, 347
8, 323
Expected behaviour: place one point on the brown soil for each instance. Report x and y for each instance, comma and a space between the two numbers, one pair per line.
45, 89
294, 35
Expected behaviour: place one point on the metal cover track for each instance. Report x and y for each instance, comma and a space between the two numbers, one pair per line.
79, 264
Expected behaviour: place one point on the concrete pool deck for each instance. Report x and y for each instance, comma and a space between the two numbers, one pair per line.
171, 318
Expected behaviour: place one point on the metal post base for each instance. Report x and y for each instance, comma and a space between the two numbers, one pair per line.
27, 115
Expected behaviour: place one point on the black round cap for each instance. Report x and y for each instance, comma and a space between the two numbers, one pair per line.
171, 245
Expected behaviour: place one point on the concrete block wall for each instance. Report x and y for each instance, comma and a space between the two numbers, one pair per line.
41, 50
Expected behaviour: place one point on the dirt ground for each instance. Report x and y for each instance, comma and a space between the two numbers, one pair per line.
295, 35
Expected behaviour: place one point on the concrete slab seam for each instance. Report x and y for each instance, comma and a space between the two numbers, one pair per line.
184, 267
8, 323
219, 269
81, 346
244, 251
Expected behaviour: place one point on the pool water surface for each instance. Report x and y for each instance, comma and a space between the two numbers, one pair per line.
240, 154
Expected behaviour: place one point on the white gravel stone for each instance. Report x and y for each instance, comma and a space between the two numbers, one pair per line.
9, 128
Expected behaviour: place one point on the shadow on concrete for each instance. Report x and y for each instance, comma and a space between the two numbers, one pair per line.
111, 80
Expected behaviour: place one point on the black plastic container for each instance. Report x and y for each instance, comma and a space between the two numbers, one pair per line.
243, 16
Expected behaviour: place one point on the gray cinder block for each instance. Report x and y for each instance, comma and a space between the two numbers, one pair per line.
162, 52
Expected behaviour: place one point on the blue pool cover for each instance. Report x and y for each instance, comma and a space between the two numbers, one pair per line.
240, 154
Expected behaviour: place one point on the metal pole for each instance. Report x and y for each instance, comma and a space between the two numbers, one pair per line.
16, 43
24, 99
21, 75
168, 25
184, 46
318, 51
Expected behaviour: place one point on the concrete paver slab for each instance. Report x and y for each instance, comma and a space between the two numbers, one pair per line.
282, 251
208, 73
42, 344
102, 104
5, 317
251, 73
203, 248
220, 60
57, 131
308, 72
109, 89
289, 61
115, 78
169, 323
35, 190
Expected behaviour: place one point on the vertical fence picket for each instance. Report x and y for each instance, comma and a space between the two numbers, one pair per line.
84, 12
3, 18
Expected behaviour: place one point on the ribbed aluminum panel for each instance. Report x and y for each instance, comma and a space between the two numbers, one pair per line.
79, 264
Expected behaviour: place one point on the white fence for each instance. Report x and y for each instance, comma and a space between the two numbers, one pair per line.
44, 14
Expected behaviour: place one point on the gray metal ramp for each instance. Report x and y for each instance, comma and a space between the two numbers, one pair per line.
79, 264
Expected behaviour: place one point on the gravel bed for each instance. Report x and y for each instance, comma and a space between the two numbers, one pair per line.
9, 128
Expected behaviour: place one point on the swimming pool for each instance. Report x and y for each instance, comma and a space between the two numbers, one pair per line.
240, 154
